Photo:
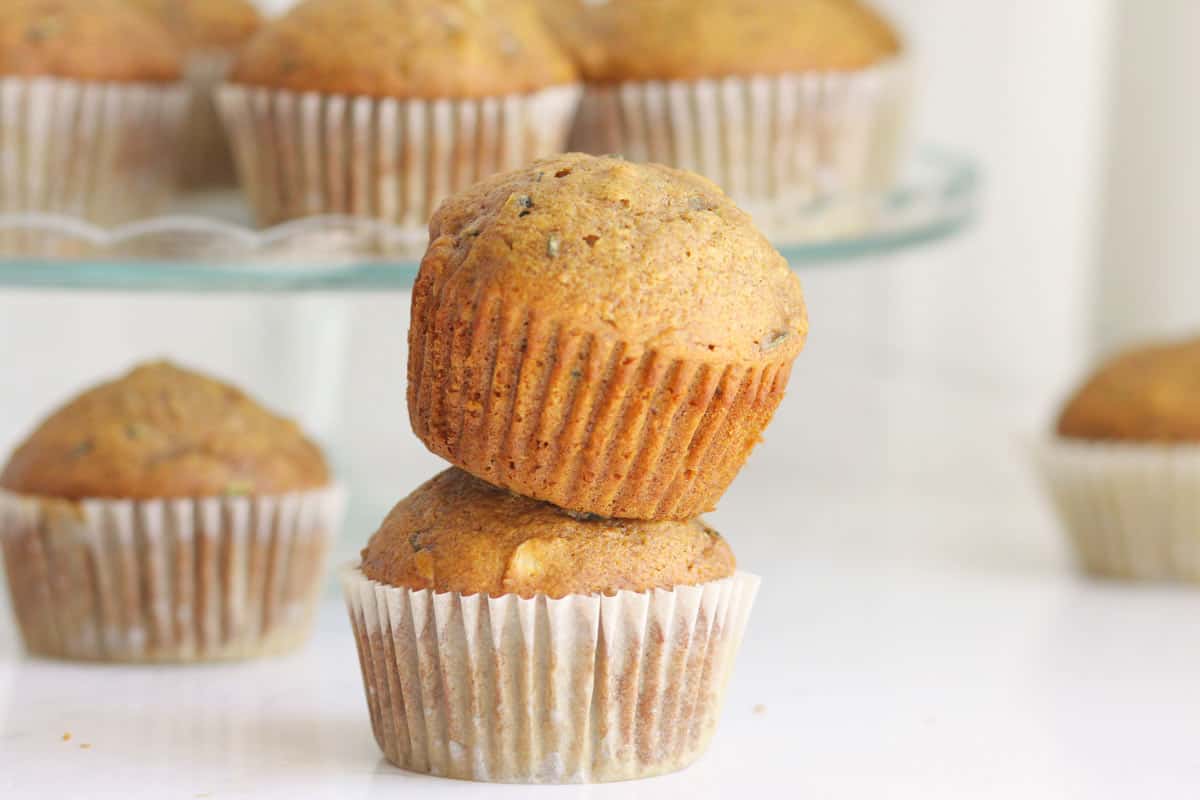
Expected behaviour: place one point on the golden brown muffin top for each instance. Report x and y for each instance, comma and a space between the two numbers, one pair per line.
457, 533
1150, 393
205, 24
97, 40
160, 432
655, 257
406, 48
622, 40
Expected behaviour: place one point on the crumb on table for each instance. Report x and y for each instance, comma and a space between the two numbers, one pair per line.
67, 736
760, 709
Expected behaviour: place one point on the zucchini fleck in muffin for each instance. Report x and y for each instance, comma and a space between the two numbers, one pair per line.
165, 516
609, 337
504, 639
92, 106
383, 107
209, 33
793, 106
1123, 466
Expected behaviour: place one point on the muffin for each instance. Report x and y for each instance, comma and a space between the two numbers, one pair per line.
609, 337
381, 108
209, 33
504, 639
90, 107
794, 108
165, 516
1123, 465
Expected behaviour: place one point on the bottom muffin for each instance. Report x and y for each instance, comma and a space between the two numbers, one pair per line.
502, 639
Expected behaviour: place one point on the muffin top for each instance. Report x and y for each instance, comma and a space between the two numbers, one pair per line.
406, 48
161, 432
205, 24
655, 257
457, 533
1151, 394
625, 40
96, 40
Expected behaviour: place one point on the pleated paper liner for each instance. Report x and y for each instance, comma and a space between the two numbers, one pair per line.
1132, 510
305, 153
579, 420
167, 580
206, 160
807, 154
586, 688
103, 152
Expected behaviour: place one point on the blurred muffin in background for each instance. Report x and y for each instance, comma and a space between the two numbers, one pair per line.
209, 33
91, 106
381, 108
1123, 464
553, 620
165, 516
794, 107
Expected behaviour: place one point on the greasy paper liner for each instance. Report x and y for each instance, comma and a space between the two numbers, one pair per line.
586, 688
809, 155
308, 153
588, 423
167, 580
1131, 510
206, 161
104, 152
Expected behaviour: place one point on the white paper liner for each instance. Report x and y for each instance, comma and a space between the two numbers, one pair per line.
586, 688
105, 152
300, 154
1132, 510
807, 154
206, 160
167, 580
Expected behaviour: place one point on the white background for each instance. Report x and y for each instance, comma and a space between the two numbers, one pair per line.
920, 632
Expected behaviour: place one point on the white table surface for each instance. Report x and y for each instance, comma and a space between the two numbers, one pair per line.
920, 633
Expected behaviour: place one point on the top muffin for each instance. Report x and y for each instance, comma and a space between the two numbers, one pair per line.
98, 40
658, 257
160, 432
606, 336
624, 40
205, 24
457, 533
406, 48
1148, 394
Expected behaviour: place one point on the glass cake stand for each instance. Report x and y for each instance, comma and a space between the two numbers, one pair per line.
207, 245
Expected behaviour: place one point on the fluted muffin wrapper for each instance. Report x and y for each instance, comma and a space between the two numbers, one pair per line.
585, 688
103, 152
1131, 510
167, 580
305, 153
588, 423
809, 155
206, 160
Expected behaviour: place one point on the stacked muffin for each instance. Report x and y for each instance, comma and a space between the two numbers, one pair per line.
596, 346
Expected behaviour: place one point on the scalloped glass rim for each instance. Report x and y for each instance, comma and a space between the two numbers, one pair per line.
934, 198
